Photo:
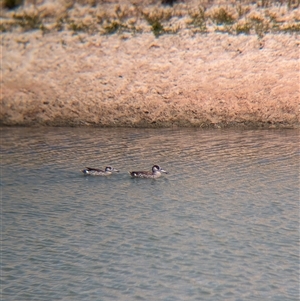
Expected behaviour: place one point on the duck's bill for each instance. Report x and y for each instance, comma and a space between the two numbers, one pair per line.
164, 171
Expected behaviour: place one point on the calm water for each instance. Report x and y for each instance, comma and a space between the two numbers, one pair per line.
222, 225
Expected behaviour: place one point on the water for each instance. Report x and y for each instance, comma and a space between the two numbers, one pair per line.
222, 225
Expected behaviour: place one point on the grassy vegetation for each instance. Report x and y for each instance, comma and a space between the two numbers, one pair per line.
222, 16
27, 21
248, 17
198, 19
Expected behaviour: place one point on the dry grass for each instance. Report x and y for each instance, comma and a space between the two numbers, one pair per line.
110, 17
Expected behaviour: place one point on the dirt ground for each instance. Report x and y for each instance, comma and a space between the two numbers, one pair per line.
201, 80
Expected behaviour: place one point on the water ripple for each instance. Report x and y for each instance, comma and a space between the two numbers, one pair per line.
222, 225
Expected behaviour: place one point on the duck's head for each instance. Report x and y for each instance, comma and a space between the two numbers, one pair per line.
157, 168
110, 169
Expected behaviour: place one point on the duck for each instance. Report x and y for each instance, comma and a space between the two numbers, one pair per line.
98, 172
155, 173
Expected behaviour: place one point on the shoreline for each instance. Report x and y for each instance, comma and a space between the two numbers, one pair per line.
204, 81
209, 80
219, 126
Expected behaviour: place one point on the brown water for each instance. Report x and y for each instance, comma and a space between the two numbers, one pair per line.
222, 225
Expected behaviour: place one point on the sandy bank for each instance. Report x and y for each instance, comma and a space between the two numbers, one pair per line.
141, 81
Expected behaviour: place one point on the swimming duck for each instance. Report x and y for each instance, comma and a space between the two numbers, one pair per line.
98, 172
155, 173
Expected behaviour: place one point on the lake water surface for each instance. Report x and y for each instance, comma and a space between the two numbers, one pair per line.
222, 225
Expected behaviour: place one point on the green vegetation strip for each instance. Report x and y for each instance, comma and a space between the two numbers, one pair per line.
257, 17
